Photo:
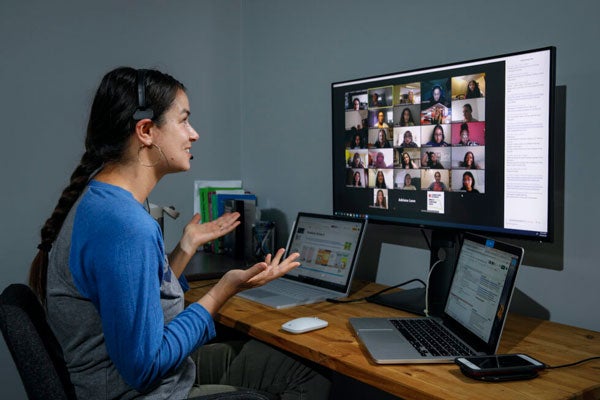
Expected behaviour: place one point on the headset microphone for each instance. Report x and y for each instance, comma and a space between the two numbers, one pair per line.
143, 111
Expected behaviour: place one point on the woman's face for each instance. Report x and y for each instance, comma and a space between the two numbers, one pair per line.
469, 159
464, 137
437, 93
356, 104
411, 96
357, 140
381, 137
176, 135
437, 176
406, 115
467, 182
356, 159
407, 138
407, 180
471, 85
356, 177
438, 135
380, 196
380, 177
380, 117
467, 113
405, 158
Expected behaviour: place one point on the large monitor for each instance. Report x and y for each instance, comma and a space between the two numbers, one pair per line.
465, 146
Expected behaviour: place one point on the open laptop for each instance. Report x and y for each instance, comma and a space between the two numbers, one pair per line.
473, 316
329, 247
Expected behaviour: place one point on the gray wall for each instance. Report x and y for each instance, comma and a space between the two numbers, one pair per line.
53, 55
293, 51
259, 75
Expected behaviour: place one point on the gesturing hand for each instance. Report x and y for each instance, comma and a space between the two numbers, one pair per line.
195, 234
237, 280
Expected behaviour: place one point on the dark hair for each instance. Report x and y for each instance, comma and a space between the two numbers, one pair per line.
465, 160
433, 133
377, 183
439, 87
403, 164
475, 92
410, 119
464, 127
110, 126
468, 173
383, 204
359, 178
468, 106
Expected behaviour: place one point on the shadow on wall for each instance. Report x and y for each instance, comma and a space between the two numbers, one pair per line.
525, 305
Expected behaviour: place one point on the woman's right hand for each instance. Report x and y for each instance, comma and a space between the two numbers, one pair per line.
237, 280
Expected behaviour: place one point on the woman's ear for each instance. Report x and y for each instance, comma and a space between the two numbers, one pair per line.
143, 131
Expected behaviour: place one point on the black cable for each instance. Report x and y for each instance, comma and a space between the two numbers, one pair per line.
426, 239
377, 293
573, 363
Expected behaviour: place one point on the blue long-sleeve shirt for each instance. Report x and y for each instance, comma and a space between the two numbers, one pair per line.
119, 285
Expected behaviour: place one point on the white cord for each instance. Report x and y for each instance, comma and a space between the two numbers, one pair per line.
426, 310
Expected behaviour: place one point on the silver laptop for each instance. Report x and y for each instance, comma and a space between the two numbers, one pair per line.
473, 316
329, 247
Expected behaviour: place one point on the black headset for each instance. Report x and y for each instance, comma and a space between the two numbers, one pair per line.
143, 111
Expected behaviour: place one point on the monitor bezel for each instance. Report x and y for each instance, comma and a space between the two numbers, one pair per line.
455, 226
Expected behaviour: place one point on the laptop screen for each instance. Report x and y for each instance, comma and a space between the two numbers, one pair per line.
328, 247
482, 286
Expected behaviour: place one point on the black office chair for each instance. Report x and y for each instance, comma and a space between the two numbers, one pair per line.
38, 356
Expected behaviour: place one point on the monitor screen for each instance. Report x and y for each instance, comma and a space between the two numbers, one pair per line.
463, 146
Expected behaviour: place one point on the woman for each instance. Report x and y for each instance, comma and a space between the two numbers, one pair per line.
472, 90
380, 201
356, 180
382, 141
406, 162
468, 184
469, 161
406, 118
380, 180
438, 139
437, 185
465, 136
114, 298
356, 142
356, 161
408, 183
408, 140
379, 161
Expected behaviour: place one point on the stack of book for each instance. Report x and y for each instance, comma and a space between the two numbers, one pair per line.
212, 199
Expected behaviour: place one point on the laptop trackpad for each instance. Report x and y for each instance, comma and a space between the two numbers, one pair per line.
382, 336
261, 293
388, 346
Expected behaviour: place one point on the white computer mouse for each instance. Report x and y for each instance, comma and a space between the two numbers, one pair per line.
304, 324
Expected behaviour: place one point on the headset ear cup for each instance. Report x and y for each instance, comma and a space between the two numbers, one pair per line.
142, 112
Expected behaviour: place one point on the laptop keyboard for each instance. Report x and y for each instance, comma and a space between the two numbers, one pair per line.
429, 338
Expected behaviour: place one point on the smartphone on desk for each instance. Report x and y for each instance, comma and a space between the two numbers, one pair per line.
500, 367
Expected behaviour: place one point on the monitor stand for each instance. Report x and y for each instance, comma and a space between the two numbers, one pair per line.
444, 246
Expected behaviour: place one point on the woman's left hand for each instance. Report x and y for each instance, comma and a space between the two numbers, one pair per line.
195, 234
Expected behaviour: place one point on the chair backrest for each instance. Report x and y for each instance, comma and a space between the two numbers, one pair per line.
38, 355
33, 346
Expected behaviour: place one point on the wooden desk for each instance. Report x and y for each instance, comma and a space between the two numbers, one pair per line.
336, 348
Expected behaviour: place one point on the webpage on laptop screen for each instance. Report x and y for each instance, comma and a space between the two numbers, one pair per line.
326, 248
477, 287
